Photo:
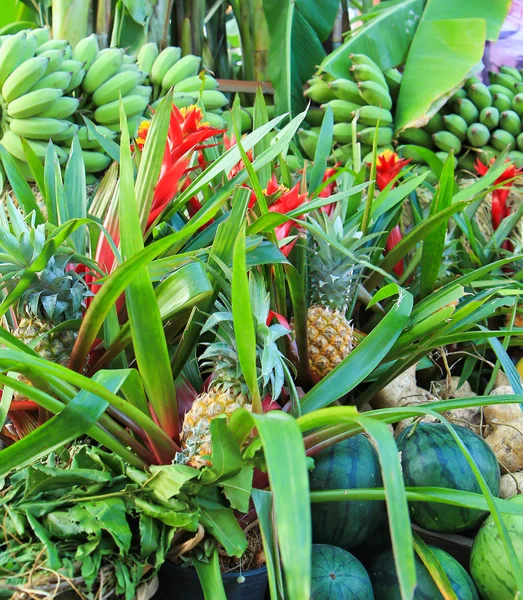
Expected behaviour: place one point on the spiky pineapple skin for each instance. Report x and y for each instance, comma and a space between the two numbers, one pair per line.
330, 339
196, 436
55, 347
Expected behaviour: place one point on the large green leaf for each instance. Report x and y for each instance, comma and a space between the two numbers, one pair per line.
441, 55
386, 39
297, 28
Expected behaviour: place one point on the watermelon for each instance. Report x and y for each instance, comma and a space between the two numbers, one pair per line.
352, 463
489, 565
386, 587
431, 458
337, 575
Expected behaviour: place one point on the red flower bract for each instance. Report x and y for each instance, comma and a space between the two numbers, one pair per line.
329, 189
499, 210
388, 165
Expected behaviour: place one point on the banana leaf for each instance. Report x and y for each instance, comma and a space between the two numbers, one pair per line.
297, 28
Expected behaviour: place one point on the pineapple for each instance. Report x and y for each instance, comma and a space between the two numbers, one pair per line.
56, 294
228, 390
333, 276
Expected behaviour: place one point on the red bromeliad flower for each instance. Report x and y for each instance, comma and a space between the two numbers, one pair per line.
388, 165
239, 166
500, 210
285, 201
329, 189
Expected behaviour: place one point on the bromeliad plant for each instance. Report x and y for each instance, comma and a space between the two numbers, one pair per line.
151, 314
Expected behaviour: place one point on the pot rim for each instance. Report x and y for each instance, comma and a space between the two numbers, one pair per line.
229, 575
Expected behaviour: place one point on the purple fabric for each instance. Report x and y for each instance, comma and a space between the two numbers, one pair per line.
508, 50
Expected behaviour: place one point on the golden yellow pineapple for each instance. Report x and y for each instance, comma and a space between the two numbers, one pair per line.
228, 390
333, 272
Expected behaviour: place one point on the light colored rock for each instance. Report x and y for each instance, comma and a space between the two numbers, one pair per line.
502, 390
396, 391
443, 390
511, 485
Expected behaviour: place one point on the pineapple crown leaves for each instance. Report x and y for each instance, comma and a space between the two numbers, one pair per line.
56, 293
221, 356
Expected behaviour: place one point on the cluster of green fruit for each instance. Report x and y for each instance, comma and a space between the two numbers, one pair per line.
430, 458
46, 87
367, 92
479, 120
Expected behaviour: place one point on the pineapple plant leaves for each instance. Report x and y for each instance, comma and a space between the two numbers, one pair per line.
323, 149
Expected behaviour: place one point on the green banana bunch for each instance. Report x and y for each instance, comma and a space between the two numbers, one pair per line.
478, 135
104, 66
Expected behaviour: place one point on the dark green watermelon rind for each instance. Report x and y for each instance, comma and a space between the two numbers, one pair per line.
431, 458
460, 581
351, 581
489, 564
352, 463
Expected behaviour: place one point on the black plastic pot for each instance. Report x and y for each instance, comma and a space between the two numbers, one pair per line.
177, 583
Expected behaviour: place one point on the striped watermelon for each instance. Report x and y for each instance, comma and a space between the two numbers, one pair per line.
352, 463
385, 582
431, 458
489, 564
337, 575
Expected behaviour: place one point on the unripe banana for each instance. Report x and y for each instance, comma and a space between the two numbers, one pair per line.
146, 56
103, 68
510, 121
375, 94
516, 158
502, 139
32, 103
461, 93
76, 80
13, 53
501, 89
23, 78
435, 124
132, 125
165, 60
59, 80
181, 100
478, 135
501, 102
512, 71
67, 135
467, 109
372, 115
489, 117
73, 66
467, 162
487, 154
393, 78
37, 128
341, 155
86, 50
110, 113
314, 116
519, 87
217, 121
517, 104
95, 162
383, 135
320, 92
368, 73
342, 132
503, 79
443, 156
308, 141
61, 109
87, 142
186, 67
213, 99
56, 58
447, 142
41, 35
342, 110
472, 80
13, 144
480, 95
194, 84
52, 45
345, 89
457, 125
418, 137
143, 90
121, 83
363, 59
129, 59
519, 142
